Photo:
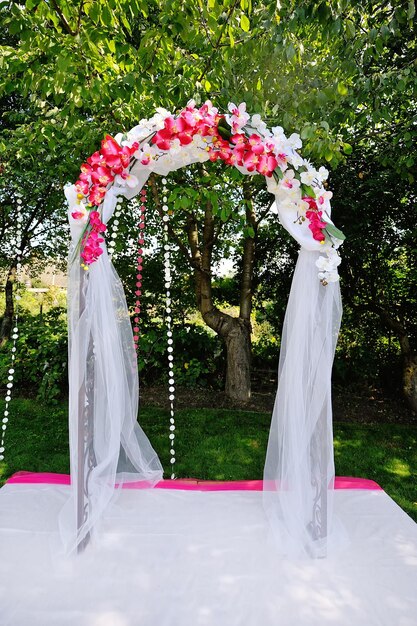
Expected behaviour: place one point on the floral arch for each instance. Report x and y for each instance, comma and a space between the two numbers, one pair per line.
107, 445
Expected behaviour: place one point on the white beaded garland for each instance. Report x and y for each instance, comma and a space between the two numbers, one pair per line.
15, 329
168, 320
115, 228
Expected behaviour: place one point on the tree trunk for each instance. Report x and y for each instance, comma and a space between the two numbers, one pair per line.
238, 346
410, 380
409, 372
7, 321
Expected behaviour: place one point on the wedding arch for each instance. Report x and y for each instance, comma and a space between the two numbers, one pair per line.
108, 448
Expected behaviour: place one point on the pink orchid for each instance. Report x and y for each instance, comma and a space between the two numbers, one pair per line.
312, 204
101, 175
316, 224
97, 224
256, 144
96, 159
82, 186
250, 160
96, 194
266, 165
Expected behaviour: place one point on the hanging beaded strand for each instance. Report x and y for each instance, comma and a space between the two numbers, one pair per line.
115, 228
139, 267
168, 319
15, 331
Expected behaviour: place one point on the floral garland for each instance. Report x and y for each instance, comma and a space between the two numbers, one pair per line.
199, 134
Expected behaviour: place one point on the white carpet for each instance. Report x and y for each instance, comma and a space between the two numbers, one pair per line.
189, 558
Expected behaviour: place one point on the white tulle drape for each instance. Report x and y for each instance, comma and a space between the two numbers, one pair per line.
299, 468
107, 445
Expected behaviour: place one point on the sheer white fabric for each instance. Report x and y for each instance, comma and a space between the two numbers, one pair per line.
299, 468
107, 446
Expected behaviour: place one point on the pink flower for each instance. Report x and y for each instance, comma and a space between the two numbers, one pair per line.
310, 201
96, 159
116, 157
101, 175
86, 170
266, 164
175, 128
239, 139
96, 194
82, 186
316, 224
250, 160
256, 144
96, 222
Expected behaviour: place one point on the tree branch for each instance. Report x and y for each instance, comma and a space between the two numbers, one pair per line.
217, 44
173, 235
63, 19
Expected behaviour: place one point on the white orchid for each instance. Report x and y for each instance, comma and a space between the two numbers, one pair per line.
328, 266
272, 185
146, 154
239, 117
260, 125
158, 120
308, 177
323, 199
294, 141
289, 181
295, 159
278, 132
126, 180
329, 277
323, 174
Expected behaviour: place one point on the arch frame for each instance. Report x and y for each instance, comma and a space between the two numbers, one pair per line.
108, 447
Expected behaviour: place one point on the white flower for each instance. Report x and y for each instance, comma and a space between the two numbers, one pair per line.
272, 185
295, 159
289, 181
260, 125
308, 177
163, 112
239, 117
211, 110
157, 122
278, 132
323, 174
324, 264
328, 266
323, 199
294, 141
127, 180
329, 277
256, 120
146, 154
79, 214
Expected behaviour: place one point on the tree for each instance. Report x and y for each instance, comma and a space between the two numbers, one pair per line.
342, 73
379, 272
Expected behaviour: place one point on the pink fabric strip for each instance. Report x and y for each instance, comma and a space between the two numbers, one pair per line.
188, 484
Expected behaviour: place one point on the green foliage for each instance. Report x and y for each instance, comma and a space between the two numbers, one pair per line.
41, 356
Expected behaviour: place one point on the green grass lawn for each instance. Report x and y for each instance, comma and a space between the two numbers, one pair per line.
219, 444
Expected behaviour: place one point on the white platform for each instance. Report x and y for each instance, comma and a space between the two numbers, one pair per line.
189, 558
